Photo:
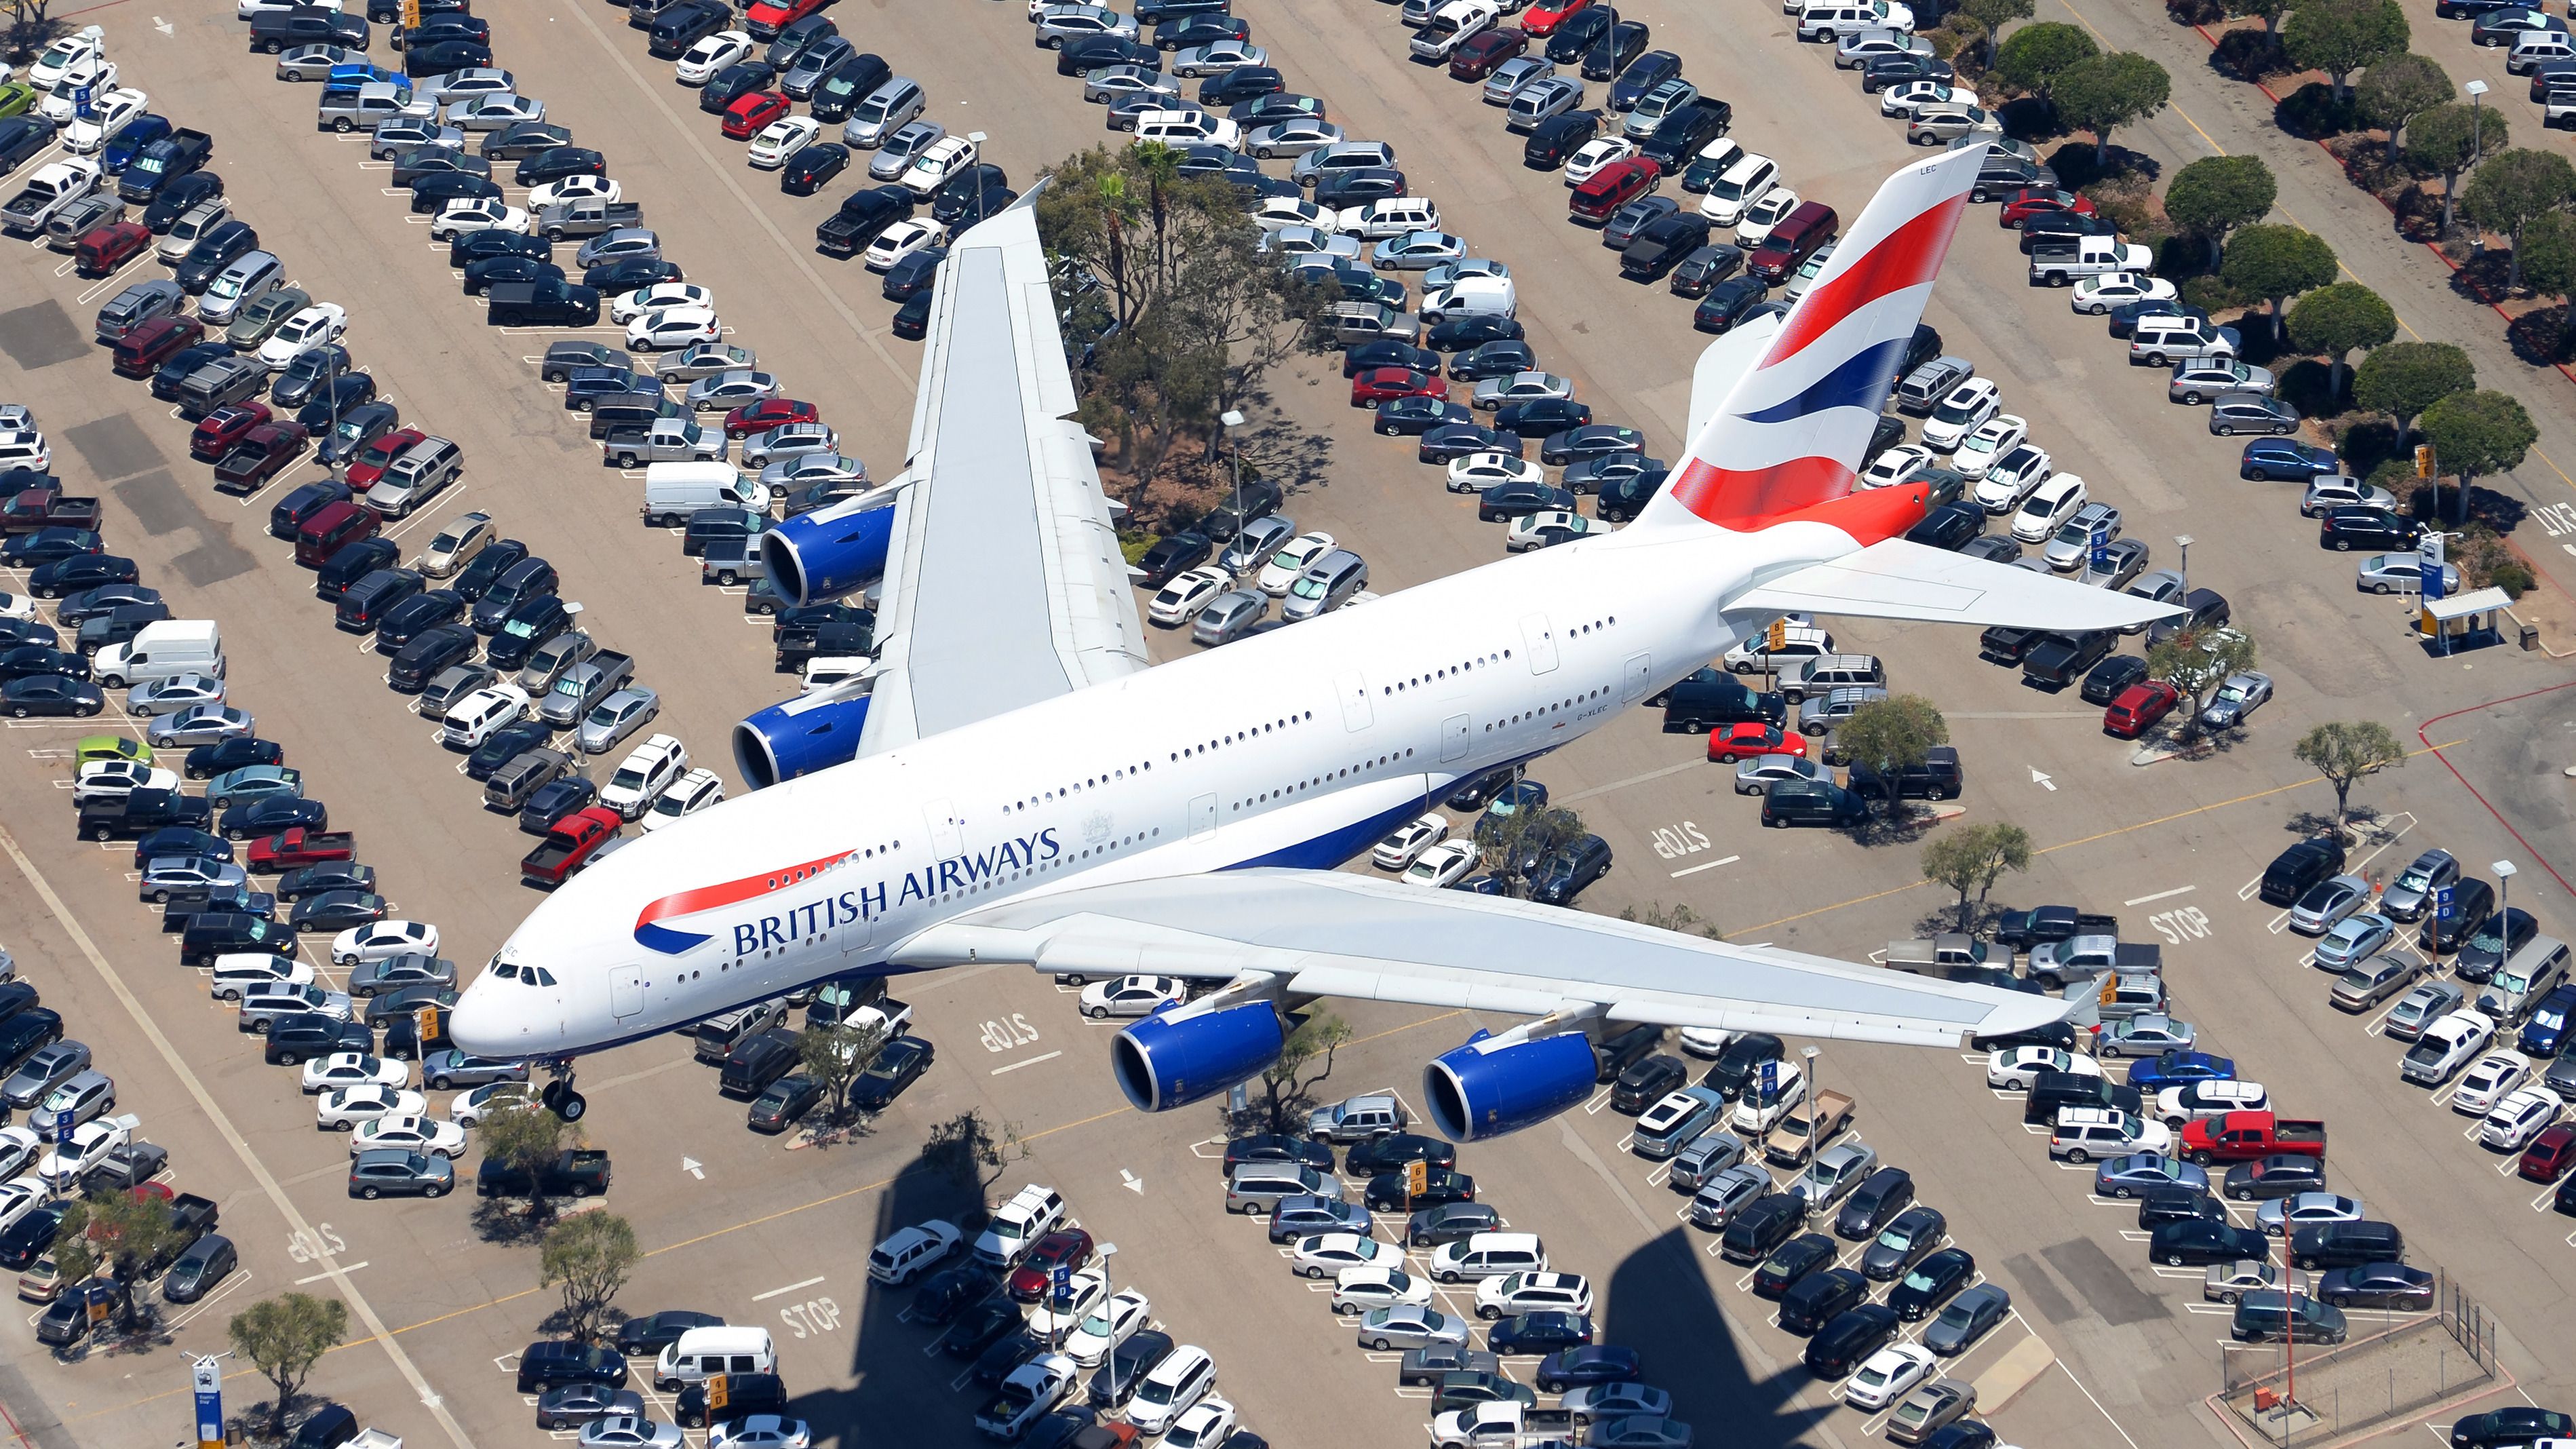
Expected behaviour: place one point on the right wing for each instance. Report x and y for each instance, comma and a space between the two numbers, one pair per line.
1900, 579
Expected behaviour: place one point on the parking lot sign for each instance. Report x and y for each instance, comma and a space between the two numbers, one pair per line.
2100, 558
411, 14
1063, 1286
1417, 1178
80, 101
1770, 1080
2442, 900
63, 1126
2431, 566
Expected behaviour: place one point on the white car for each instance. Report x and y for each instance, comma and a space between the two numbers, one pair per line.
781, 139
2513, 1122
413, 1132
1280, 574
343, 1108
574, 188
321, 323
898, 242
1767, 211
625, 307
696, 790
107, 114
2284, 1215
78, 54
1204, 1425
699, 64
19, 1198
91, 1142
1895, 466
1477, 472
353, 1069
17, 606
1089, 1289
1907, 97
1962, 412
2012, 478
116, 779
649, 769
1375, 1285
2446, 1046
1181, 600
2194, 1101
936, 163
1888, 1375
1277, 212
1533, 1293
2489, 1080
1982, 449
1551, 525
673, 327
1325, 1255
2013, 1069
1131, 996
1595, 154
2096, 296
1494, 392
1409, 840
1107, 1326
1616, 1401
381, 940
469, 1108
754, 1431
25, 448
470, 214
1443, 864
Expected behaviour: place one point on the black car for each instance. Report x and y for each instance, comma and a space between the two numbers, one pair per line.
784, 1103
433, 192
1115, 1381
554, 800
1242, 83
1448, 1223
297, 1039
897, 1066
1558, 137
1578, 32
1098, 52
443, 57
1408, 417
25, 1033
1502, 357
32, 659
2378, 1285
1705, 267
1643, 74
51, 694
1880, 72
424, 658
1451, 334
27, 1239
181, 840
1196, 30
2513, 1424
811, 167
654, 1332
1017, 1345
1451, 441
179, 196
1841, 1345
1792, 1263
2161, 1205
950, 1291
1728, 302
337, 911
1394, 1150
2347, 1245
1591, 440
290, 512
1173, 555
47, 545
1538, 1333
1388, 352
1391, 1192
527, 626
1520, 498
1818, 1298
972, 195
557, 162
2345, 529
2194, 1242
912, 320
299, 380
272, 813
337, 399
2104, 681
88, 604
1760, 1226
520, 140
982, 1326
2299, 867
1268, 1147
549, 1363
734, 82
53, 580
415, 616
167, 377
625, 274
1646, 1083
1593, 1363
1952, 526
2286, 1175
574, 1405
1358, 187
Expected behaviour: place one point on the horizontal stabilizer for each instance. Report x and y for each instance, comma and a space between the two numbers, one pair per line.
1900, 579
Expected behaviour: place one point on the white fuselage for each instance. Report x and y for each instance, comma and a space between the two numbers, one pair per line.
1298, 747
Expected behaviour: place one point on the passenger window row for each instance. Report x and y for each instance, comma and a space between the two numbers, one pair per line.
1562, 704
1241, 735
1419, 680
1341, 774
1090, 782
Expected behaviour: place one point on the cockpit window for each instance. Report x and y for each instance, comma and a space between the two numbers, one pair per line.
506, 970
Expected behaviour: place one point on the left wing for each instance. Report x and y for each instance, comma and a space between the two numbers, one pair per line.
1897, 578
1329, 934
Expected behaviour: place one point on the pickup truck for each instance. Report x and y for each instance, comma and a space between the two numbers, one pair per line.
551, 303
586, 216
1788, 1143
1503, 1424
48, 191
298, 845
162, 162
667, 440
2021, 930
1936, 955
568, 846
2058, 261
584, 685
127, 817
36, 508
579, 1172
2245, 1136
2092, 954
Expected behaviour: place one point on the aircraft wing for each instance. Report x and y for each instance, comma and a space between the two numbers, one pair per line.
1900, 579
1004, 584
1332, 934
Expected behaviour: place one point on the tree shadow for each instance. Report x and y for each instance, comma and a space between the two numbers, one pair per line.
2481, 276
2248, 55
2308, 385
1660, 1298
2031, 118
1878, 829
1981, 919
2195, 12
505, 1222
2312, 113
2366, 445
2076, 167
1294, 457
2541, 336
2360, 820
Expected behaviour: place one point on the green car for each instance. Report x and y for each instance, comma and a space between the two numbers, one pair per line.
17, 98
109, 747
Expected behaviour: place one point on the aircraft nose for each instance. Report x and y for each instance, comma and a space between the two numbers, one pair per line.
480, 1024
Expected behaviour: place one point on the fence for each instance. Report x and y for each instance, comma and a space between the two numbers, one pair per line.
2394, 1367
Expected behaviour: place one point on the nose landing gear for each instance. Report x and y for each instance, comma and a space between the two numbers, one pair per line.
559, 1096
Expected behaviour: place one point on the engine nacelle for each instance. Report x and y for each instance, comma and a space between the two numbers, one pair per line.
1172, 1059
827, 553
808, 733
1493, 1085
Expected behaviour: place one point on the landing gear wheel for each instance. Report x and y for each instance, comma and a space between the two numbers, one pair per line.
571, 1108
552, 1096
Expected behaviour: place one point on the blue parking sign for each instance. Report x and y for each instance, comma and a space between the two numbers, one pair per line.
1063, 1286
63, 1126
80, 101
1770, 1080
2101, 555
2442, 900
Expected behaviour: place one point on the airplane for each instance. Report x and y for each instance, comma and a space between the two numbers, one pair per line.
1011, 782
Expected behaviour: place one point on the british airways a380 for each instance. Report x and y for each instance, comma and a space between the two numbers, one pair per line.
1012, 783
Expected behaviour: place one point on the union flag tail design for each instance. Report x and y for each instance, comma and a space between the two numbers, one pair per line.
1790, 435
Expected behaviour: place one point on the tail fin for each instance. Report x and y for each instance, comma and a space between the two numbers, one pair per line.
1790, 434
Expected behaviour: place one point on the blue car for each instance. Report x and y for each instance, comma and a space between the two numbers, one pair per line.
2546, 1032
253, 782
2283, 458
2140, 1173
129, 141
2173, 1068
353, 74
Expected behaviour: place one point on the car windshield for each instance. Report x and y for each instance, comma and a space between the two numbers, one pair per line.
1310, 587
627, 780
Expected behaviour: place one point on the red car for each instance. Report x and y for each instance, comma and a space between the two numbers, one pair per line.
107, 248
1386, 384
769, 412
1612, 187
745, 117
1063, 1248
1752, 739
141, 352
2138, 708
259, 455
2032, 201
224, 427
765, 19
376, 457
1544, 17
1476, 58
2549, 1155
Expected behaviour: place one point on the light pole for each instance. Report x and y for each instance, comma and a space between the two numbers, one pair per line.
2504, 870
1231, 419
2183, 542
1106, 1251
2477, 149
1813, 1097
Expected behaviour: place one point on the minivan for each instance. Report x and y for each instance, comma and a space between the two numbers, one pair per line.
351, 564
1258, 1187
1488, 1255
2267, 1315
1326, 585
702, 1353
364, 605
886, 110
527, 579
249, 277
334, 528
673, 491
526, 773
2527, 976
1741, 184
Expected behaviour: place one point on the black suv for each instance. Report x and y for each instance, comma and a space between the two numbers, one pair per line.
548, 1363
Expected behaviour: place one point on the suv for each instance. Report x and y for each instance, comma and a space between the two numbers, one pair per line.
1357, 1119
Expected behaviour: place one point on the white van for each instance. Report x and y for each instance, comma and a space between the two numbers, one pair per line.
2048, 505
251, 276
702, 1353
1481, 296
1189, 128
1738, 187
2540, 965
1488, 1255
162, 650
673, 491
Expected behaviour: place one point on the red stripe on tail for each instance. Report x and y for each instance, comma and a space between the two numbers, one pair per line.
1907, 257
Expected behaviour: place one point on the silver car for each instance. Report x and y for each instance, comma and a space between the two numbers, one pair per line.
1114, 83
1511, 75
2341, 490
612, 719
2121, 562
2328, 902
807, 469
2073, 543
895, 157
403, 133
1217, 57
1540, 100
1292, 137
2364, 986
2283, 1215
2240, 696
314, 62
1754, 776
1057, 24
788, 440
206, 724
494, 112
701, 359
1723, 1196
457, 85
731, 388
1229, 616
2197, 382
1342, 156
452, 684
41, 1073
1410, 1325
2407, 896
618, 244
2400, 573
2428, 1003
2251, 412
1832, 1176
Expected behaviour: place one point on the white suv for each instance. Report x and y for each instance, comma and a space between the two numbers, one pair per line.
649, 769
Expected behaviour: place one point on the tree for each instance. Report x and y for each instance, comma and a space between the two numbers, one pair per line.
2547, 256
2338, 317
2270, 10
1288, 1092
835, 1056
2037, 54
2110, 90
2196, 661
968, 1150
1993, 15
2516, 188
2450, 138
526, 1139
2397, 90
2215, 195
590, 1256
1890, 734
2402, 379
2342, 36
2343, 752
1508, 840
283, 1337
2477, 433
1974, 857
1679, 919
74, 1257
2276, 263
118, 1233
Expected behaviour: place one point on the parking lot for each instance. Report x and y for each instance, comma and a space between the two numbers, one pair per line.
738, 1224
